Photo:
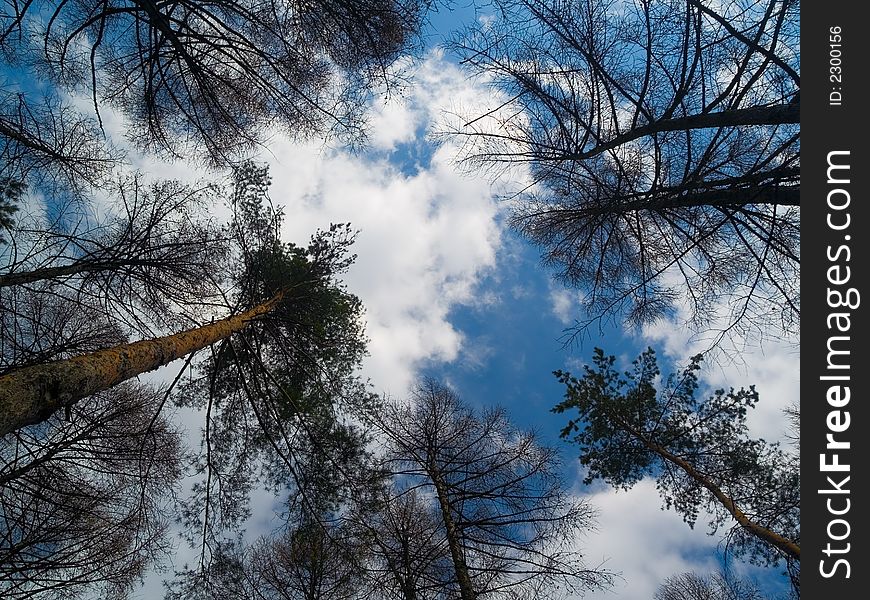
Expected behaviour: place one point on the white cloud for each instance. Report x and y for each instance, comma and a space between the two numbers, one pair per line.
394, 119
562, 303
565, 303
775, 372
642, 543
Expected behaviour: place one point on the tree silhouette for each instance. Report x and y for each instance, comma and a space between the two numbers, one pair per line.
84, 499
408, 558
719, 586
10, 193
270, 275
214, 78
663, 141
310, 562
273, 391
699, 451
48, 145
146, 264
507, 521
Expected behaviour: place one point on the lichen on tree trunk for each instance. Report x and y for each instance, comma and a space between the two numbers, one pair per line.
32, 394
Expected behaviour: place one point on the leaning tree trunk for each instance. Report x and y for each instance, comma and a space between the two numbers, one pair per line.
788, 547
32, 394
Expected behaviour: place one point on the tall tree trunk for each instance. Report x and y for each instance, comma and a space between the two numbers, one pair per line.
32, 394
407, 584
75, 268
466, 590
780, 114
768, 195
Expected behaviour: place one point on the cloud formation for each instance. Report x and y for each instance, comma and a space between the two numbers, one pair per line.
427, 235
642, 543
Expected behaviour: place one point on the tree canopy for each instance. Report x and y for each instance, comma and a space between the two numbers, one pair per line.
86, 499
698, 451
663, 141
504, 515
207, 79
719, 586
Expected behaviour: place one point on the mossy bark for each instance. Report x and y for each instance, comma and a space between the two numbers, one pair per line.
32, 394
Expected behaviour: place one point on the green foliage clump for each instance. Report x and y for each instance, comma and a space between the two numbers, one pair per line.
698, 450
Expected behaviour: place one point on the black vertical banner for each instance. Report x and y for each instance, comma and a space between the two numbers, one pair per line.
835, 227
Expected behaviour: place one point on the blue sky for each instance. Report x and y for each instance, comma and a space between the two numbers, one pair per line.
451, 293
